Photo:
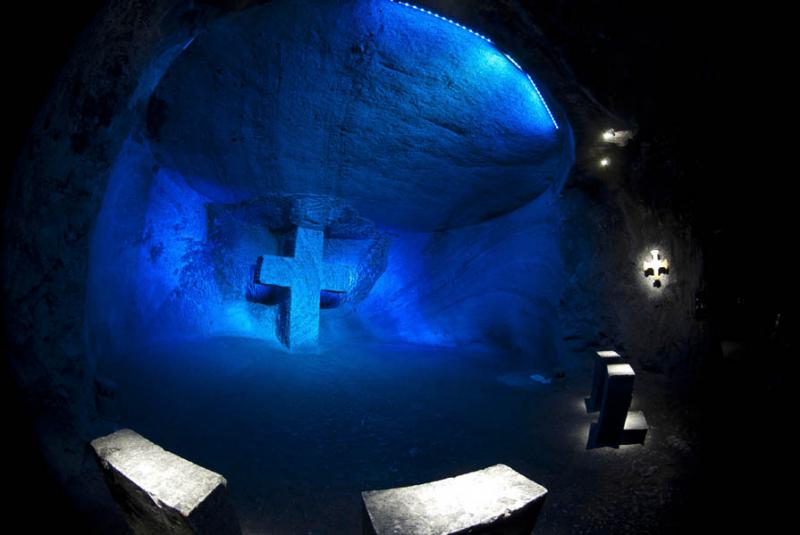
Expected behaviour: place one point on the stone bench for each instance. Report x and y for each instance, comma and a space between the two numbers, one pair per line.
494, 500
616, 425
601, 362
160, 492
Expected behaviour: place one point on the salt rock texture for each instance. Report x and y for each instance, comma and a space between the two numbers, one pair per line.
417, 123
415, 145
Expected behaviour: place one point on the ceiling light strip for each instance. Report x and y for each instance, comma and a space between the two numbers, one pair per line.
517, 65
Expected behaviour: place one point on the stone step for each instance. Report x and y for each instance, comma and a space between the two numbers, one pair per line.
636, 428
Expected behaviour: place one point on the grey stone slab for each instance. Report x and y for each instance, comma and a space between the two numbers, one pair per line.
602, 360
494, 500
160, 492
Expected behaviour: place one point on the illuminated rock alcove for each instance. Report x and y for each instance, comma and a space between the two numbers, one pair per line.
428, 158
431, 162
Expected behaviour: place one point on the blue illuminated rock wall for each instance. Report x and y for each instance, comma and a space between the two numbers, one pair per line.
417, 123
498, 282
429, 158
169, 263
154, 273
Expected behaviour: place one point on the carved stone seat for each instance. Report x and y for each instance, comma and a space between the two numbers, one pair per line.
160, 492
602, 360
493, 500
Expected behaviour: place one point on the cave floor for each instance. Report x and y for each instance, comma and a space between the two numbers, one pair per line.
299, 436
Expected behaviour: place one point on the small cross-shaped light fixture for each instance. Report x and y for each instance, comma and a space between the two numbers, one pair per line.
655, 267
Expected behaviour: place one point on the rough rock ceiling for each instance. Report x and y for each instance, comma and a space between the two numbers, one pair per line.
418, 123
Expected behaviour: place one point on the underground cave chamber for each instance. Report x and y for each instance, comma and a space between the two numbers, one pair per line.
432, 164
321, 247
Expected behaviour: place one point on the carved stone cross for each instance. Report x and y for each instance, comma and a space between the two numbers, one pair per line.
305, 275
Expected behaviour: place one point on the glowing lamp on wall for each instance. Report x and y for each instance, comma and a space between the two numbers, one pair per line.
617, 137
656, 267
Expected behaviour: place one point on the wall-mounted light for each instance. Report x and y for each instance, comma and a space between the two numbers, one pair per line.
605, 162
617, 137
656, 267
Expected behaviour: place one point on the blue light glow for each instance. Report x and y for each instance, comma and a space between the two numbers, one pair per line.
513, 62
447, 149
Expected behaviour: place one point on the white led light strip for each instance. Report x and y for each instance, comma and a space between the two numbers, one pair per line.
517, 65
412, 6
